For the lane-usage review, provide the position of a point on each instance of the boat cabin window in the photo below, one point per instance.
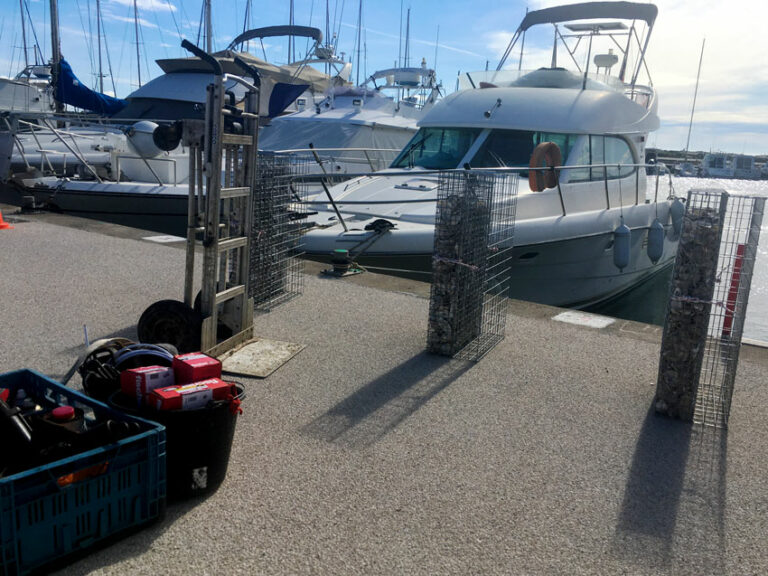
(594, 150)
(513, 148)
(437, 148)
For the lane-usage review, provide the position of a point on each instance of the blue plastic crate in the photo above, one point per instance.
(45, 516)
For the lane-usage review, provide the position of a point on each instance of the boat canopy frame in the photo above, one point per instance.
(590, 11)
(271, 31)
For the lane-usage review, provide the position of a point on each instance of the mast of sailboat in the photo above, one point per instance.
(693, 107)
(98, 37)
(208, 27)
(136, 29)
(55, 48)
(359, 35)
(406, 61)
(23, 33)
(291, 45)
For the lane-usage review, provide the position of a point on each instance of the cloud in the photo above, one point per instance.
(130, 19)
(148, 5)
(441, 46)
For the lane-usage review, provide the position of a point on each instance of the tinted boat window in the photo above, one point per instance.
(437, 148)
(513, 148)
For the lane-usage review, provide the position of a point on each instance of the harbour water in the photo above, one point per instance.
(647, 302)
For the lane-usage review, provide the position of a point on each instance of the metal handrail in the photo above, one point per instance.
(146, 161)
(514, 170)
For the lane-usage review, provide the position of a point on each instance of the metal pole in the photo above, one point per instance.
(693, 107)
(23, 32)
(55, 47)
(208, 28)
(359, 30)
(136, 28)
(98, 37)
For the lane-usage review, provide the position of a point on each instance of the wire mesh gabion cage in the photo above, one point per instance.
(707, 307)
(276, 269)
(474, 227)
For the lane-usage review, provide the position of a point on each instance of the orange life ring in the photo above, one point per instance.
(545, 154)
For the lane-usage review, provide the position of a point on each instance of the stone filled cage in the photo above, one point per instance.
(276, 268)
(707, 306)
(474, 228)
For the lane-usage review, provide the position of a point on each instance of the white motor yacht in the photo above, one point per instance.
(744, 167)
(716, 165)
(565, 249)
(357, 128)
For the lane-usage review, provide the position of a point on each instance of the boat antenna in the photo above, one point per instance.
(693, 106)
(437, 43)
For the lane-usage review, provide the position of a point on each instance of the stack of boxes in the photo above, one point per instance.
(191, 382)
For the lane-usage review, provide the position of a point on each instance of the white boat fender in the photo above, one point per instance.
(140, 137)
(676, 211)
(621, 240)
(655, 241)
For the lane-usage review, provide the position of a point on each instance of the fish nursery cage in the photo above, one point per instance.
(707, 306)
(276, 269)
(474, 227)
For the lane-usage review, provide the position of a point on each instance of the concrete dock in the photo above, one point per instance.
(365, 455)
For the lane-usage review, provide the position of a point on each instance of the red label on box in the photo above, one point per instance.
(191, 396)
(141, 381)
(194, 367)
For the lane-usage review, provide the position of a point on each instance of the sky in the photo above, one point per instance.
(731, 108)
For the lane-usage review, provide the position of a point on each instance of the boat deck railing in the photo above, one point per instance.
(311, 200)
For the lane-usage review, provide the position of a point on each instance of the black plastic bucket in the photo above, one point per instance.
(198, 442)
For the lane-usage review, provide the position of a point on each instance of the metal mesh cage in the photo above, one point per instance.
(736, 261)
(707, 306)
(474, 226)
(276, 269)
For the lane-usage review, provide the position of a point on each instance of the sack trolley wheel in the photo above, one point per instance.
(172, 322)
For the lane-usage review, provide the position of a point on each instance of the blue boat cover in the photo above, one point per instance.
(69, 90)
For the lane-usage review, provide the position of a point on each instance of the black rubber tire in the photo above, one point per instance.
(171, 322)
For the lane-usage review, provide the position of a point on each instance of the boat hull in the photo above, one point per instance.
(558, 262)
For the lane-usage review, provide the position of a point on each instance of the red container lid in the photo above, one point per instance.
(63, 413)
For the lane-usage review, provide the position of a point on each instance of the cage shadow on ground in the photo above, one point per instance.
(378, 407)
(674, 500)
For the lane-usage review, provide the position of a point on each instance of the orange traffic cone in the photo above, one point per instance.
(3, 224)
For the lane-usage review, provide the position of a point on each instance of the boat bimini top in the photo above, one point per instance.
(572, 17)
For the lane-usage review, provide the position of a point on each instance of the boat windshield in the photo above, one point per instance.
(437, 148)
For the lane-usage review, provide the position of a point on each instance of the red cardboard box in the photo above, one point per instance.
(139, 382)
(194, 367)
(191, 396)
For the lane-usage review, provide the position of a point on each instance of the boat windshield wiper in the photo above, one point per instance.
(412, 147)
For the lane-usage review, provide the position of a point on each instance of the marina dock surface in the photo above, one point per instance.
(365, 455)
